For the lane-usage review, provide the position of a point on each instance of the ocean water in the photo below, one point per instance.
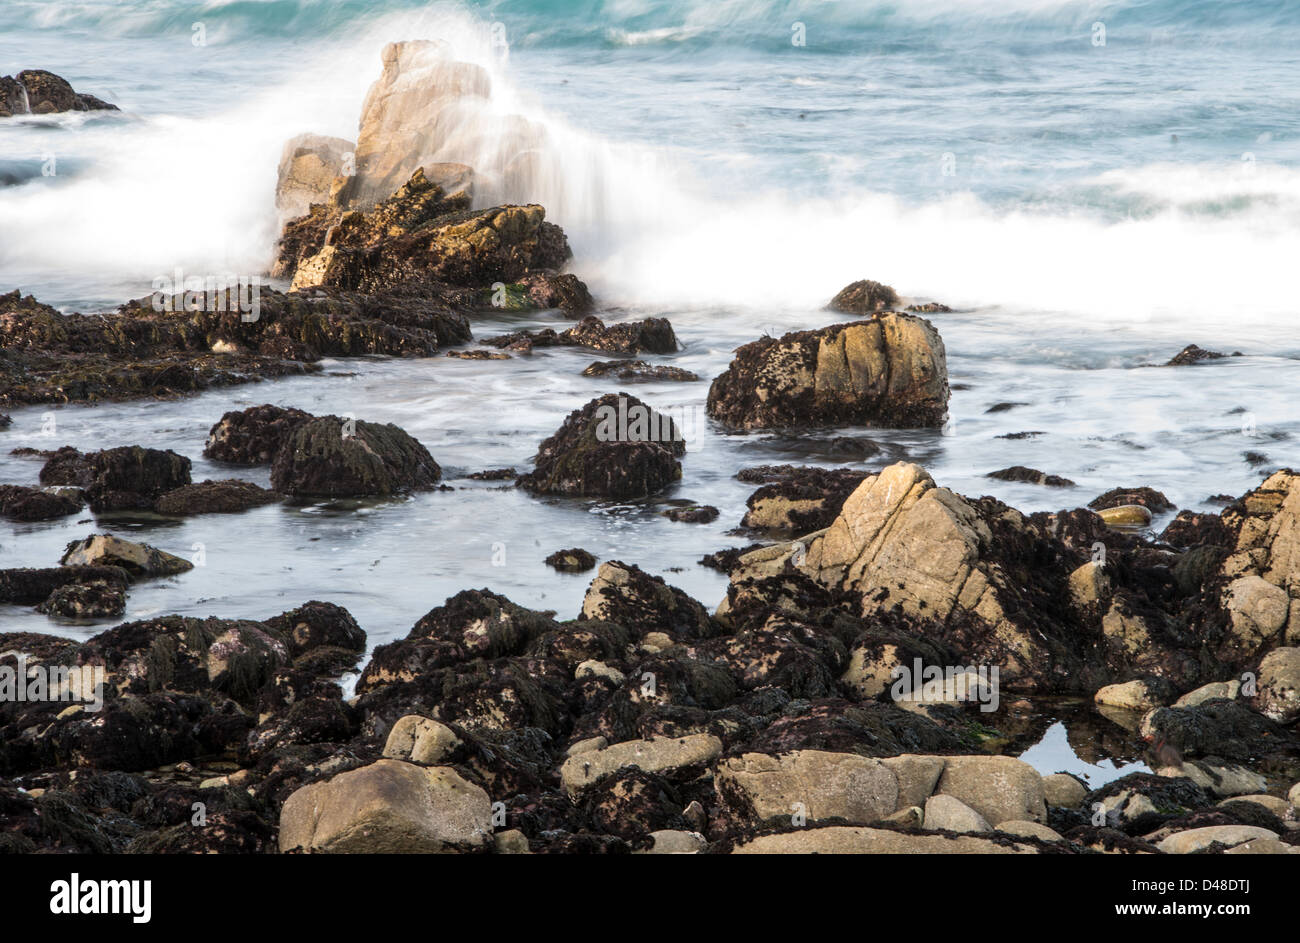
(1090, 186)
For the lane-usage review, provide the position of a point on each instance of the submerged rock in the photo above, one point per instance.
(1030, 476)
(576, 560)
(1192, 354)
(652, 335)
(331, 457)
(1148, 498)
(627, 370)
(615, 447)
(692, 514)
(215, 497)
(1125, 515)
(888, 371)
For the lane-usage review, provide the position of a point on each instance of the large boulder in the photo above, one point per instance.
(388, 807)
(1259, 585)
(812, 784)
(614, 447)
(330, 457)
(1278, 686)
(410, 113)
(890, 370)
(105, 550)
(976, 575)
(1000, 788)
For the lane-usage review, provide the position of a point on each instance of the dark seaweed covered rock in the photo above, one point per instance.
(37, 92)
(631, 370)
(890, 370)
(651, 335)
(33, 504)
(126, 478)
(315, 625)
(90, 600)
(159, 346)
(576, 560)
(331, 457)
(215, 497)
(232, 657)
(798, 499)
(1227, 729)
(422, 233)
(252, 436)
(864, 297)
(628, 596)
(614, 447)
(1190, 529)
(1030, 476)
(567, 292)
(692, 514)
(29, 586)
(1192, 354)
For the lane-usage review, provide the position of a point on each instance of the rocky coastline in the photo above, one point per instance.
(883, 647)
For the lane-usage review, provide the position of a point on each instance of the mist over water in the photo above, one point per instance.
(706, 160)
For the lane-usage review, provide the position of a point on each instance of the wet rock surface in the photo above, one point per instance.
(616, 446)
(645, 723)
(797, 500)
(652, 335)
(37, 92)
(890, 370)
(139, 350)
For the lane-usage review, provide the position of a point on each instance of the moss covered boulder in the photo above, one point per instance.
(331, 457)
(614, 447)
